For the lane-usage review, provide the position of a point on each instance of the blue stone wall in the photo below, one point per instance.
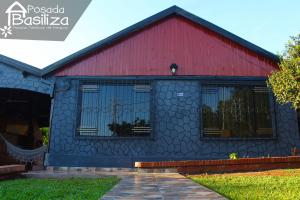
(13, 78)
(176, 132)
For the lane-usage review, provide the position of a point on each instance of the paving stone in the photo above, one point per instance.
(159, 186)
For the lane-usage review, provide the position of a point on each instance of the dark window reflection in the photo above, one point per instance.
(115, 109)
(298, 118)
(236, 112)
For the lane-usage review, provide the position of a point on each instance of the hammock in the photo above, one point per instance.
(24, 155)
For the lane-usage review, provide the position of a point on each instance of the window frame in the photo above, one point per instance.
(115, 81)
(298, 120)
(234, 83)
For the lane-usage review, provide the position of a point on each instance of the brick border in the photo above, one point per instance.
(242, 164)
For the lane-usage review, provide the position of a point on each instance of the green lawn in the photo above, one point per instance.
(44, 189)
(270, 185)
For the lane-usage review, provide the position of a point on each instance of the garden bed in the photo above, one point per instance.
(206, 166)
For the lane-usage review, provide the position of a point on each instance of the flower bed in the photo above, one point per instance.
(242, 164)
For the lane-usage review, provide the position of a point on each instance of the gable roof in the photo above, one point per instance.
(20, 65)
(172, 11)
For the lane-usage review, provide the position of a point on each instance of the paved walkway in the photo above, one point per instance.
(159, 186)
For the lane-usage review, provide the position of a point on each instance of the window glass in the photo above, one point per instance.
(119, 109)
(236, 112)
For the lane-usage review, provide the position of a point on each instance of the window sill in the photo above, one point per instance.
(237, 139)
(113, 138)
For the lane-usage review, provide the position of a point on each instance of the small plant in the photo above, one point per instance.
(45, 134)
(233, 156)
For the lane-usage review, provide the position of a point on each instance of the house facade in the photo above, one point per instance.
(171, 87)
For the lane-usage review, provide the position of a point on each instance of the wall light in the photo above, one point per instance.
(173, 68)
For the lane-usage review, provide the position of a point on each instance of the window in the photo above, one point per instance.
(236, 112)
(298, 119)
(117, 109)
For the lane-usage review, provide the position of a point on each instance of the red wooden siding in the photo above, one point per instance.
(196, 50)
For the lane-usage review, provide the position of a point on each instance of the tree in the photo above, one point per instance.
(285, 83)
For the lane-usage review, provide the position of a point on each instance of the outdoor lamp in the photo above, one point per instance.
(173, 68)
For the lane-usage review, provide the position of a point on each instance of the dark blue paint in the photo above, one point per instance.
(176, 132)
(23, 67)
(13, 77)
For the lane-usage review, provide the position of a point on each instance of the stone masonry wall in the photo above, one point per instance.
(13, 78)
(176, 132)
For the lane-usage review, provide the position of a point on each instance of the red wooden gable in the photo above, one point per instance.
(195, 49)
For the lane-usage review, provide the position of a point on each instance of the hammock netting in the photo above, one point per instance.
(24, 155)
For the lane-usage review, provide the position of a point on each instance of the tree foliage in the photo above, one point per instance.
(285, 83)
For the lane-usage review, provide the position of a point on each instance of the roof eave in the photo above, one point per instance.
(20, 65)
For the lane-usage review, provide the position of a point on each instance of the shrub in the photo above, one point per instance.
(45, 134)
(233, 156)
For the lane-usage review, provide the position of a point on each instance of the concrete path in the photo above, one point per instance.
(159, 186)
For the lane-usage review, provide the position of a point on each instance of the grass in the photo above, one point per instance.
(269, 185)
(45, 189)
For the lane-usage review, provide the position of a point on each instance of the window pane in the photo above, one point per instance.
(141, 124)
(298, 119)
(108, 106)
(262, 112)
(211, 110)
(235, 111)
(122, 113)
(89, 112)
(122, 109)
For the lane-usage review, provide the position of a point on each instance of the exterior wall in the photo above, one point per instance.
(195, 49)
(13, 78)
(176, 132)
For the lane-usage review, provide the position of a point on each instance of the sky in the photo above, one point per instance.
(266, 23)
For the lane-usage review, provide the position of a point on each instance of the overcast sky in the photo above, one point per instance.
(266, 23)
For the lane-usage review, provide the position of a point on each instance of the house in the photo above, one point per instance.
(25, 101)
(171, 87)
(15, 8)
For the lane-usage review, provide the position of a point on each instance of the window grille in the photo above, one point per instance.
(236, 111)
(115, 109)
